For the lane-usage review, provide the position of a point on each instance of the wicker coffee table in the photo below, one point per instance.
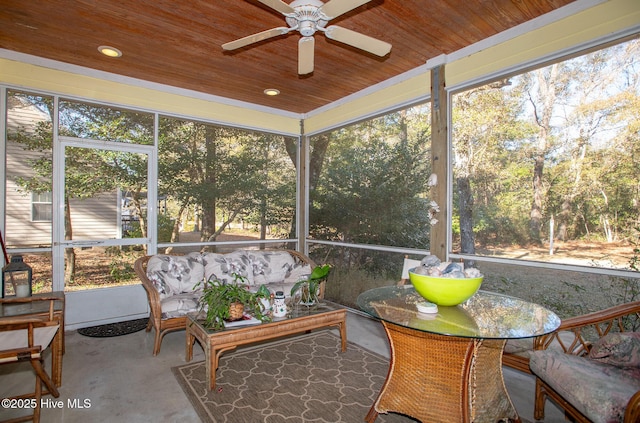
(299, 319)
(447, 367)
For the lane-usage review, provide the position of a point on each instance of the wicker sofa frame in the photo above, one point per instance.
(164, 326)
(585, 330)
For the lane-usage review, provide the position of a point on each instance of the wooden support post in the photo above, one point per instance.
(439, 160)
(303, 200)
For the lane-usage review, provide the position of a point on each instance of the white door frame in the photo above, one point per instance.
(109, 304)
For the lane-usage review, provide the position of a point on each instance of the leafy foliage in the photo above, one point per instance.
(556, 147)
(373, 185)
(226, 174)
(310, 287)
(217, 298)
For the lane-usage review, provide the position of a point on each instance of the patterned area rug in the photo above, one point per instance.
(297, 380)
(114, 329)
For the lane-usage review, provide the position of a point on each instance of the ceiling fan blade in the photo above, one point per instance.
(305, 55)
(250, 39)
(358, 40)
(278, 5)
(335, 8)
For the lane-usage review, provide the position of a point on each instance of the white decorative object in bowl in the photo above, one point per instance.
(445, 284)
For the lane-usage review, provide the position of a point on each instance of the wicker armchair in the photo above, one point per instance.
(164, 324)
(566, 351)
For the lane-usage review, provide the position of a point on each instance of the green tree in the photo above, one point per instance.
(227, 174)
(372, 187)
(485, 125)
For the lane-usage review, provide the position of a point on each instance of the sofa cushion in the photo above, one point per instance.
(617, 349)
(223, 266)
(299, 271)
(271, 266)
(180, 304)
(600, 391)
(173, 275)
(523, 347)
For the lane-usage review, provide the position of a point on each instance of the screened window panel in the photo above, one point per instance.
(99, 122)
(545, 162)
(221, 184)
(28, 169)
(368, 181)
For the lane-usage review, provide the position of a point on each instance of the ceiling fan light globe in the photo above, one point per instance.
(307, 28)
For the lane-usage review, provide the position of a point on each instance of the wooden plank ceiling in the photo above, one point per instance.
(178, 43)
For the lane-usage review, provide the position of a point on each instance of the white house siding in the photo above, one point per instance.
(20, 230)
(95, 218)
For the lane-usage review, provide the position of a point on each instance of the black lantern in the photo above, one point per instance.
(17, 278)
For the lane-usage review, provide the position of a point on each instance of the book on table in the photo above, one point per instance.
(246, 320)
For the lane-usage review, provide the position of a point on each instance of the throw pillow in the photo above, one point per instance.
(271, 266)
(223, 266)
(173, 275)
(617, 349)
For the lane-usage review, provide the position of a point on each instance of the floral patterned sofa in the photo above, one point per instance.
(169, 280)
(595, 375)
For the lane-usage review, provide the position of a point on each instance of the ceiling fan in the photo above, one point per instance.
(307, 17)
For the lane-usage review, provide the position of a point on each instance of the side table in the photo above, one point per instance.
(13, 306)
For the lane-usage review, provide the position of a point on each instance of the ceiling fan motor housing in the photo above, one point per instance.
(307, 18)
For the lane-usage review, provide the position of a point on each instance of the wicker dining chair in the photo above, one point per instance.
(586, 331)
(407, 265)
(25, 338)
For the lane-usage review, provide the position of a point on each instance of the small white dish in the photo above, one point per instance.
(427, 308)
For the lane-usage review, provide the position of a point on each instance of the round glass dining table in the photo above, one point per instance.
(447, 366)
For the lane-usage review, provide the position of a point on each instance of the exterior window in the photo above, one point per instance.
(41, 207)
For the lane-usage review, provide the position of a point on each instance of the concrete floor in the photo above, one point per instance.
(119, 380)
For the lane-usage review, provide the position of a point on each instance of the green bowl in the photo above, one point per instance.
(445, 291)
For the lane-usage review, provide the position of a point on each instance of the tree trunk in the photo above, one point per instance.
(566, 213)
(69, 253)
(535, 223)
(137, 204)
(263, 221)
(208, 230)
(175, 232)
(543, 109)
(467, 240)
(263, 199)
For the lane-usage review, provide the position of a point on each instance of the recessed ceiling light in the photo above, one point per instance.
(271, 91)
(110, 51)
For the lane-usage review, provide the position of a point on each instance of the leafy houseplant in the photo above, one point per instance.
(219, 300)
(309, 287)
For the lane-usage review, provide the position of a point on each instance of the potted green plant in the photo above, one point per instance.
(222, 302)
(264, 296)
(310, 286)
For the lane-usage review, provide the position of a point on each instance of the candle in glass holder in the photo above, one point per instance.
(22, 290)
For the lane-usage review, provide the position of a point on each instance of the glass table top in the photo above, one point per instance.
(486, 315)
(10, 309)
(293, 311)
